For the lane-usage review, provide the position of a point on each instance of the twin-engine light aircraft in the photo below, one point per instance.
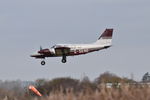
(64, 50)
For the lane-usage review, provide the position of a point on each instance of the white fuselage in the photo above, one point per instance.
(64, 50)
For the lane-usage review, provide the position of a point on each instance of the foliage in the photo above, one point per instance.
(45, 87)
(146, 77)
(73, 89)
(108, 77)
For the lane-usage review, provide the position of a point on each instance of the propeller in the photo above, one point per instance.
(41, 48)
(43, 51)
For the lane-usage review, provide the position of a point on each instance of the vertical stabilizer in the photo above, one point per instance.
(106, 38)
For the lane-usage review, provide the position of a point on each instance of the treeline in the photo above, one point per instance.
(69, 84)
(18, 90)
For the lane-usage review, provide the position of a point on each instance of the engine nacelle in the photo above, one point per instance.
(44, 51)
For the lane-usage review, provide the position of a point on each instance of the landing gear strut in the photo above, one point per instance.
(64, 59)
(43, 62)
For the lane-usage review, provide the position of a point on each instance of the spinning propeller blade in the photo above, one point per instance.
(41, 48)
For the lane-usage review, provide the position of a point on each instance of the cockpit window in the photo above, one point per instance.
(53, 46)
(56, 46)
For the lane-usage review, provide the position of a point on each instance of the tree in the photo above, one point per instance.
(107, 77)
(57, 84)
(146, 77)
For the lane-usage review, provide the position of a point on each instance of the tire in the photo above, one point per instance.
(63, 60)
(43, 63)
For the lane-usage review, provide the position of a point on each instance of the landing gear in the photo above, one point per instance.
(64, 59)
(43, 62)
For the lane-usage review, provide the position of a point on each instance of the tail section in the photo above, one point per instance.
(106, 38)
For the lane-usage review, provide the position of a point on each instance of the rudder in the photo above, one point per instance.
(107, 34)
(106, 38)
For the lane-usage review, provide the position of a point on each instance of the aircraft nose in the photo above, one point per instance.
(44, 51)
(34, 54)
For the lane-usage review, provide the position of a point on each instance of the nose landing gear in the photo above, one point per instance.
(63, 61)
(43, 62)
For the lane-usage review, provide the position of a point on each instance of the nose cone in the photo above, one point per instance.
(35, 54)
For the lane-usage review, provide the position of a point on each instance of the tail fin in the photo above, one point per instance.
(106, 38)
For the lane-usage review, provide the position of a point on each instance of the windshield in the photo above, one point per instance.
(54, 46)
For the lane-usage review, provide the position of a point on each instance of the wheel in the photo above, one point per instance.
(63, 61)
(43, 63)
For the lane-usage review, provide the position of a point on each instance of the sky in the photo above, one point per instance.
(25, 25)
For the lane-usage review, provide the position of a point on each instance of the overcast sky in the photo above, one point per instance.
(25, 25)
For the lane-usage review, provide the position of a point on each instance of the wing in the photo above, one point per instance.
(38, 56)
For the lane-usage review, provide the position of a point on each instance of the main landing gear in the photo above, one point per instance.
(64, 59)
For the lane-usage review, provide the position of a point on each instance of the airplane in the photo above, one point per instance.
(64, 50)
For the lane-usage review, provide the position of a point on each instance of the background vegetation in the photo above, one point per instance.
(73, 89)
